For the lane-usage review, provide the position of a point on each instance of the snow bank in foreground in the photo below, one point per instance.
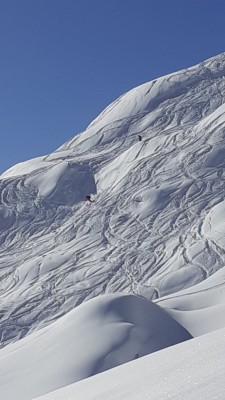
(102, 333)
(193, 370)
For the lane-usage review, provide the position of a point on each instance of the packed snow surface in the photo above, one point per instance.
(155, 229)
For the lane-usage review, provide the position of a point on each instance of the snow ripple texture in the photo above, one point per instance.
(156, 224)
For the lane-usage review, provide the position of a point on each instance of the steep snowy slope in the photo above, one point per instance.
(154, 226)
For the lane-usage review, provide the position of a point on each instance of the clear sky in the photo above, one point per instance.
(63, 61)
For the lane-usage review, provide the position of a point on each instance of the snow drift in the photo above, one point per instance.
(191, 370)
(100, 334)
(201, 308)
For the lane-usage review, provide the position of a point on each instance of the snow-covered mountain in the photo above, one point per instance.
(154, 165)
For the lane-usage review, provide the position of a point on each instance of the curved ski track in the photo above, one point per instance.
(142, 233)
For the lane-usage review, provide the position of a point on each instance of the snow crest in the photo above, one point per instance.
(100, 334)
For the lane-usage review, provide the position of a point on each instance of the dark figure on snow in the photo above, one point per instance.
(139, 138)
(88, 198)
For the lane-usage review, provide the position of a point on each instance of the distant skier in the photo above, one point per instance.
(88, 198)
(139, 138)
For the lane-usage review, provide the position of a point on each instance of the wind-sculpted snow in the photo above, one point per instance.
(189, 371)
(152, 228)
(99, 334)
(201, 308)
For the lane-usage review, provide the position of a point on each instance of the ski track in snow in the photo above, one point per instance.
(152, 228)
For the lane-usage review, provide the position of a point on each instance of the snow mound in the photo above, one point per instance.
(64, 183)
(100, 334)
(191, 370)
(201, 308)
(24, 168)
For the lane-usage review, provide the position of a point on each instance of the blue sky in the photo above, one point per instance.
(63, 61)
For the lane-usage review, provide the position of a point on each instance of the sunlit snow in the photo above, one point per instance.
(100, 334)
(153, 166)
(189, 371)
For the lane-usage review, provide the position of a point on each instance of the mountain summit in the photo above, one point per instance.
(153, 164)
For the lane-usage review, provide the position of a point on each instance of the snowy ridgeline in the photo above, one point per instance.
(155, 229)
